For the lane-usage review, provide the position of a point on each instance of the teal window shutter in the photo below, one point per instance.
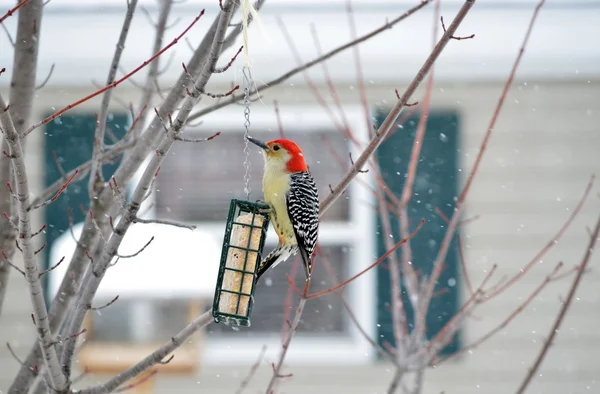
(69, 139)
(436, 185)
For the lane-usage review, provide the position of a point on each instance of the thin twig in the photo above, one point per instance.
(284, 348)
(331, 273)
(445, 245)
(153, 69)
(563, 311)
(56, 195)
(278, 117)
(109, 303)
(53, 267)
(115, 83)
(13, 10)
(45, 81)
(138, 252)
(297, 70)
(138, 382)
(12, 352)
(376, 263)
(407, 191)
(252, 372)
(166, 222)
(9, 37)
(390, 119)
(551, 243)
(81, 171)
(197, 140)
(155, 358)
(96, 179)
(7, 261)
(549, 278)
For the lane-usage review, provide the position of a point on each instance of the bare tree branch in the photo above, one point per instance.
(89, 237)
(96, 180)
(8, 35)
(94, 276)
(154, 132)
(153, 70)
(236, 98)
(45, 81)
(45, 337)
(411, 279)
(112, 85)
(388, 122)
(59, 307)
(155, 358)
(563, 310)
(81, 171)
(166, 222)
(445, 245)
(275, 378)
(109, 303)
(22, 94)
(252, 371)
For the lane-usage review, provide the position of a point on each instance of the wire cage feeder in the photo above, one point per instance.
(244, 239)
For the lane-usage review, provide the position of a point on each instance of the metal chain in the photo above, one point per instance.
(247, 79)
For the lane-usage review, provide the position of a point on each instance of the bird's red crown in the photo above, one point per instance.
(296, 163)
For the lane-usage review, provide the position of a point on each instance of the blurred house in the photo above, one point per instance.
(545, 147)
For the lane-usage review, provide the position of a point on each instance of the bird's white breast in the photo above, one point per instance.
(276, 184)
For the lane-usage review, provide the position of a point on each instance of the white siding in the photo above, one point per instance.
(544, 149)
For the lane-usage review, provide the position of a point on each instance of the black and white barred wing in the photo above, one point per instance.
(303, 210)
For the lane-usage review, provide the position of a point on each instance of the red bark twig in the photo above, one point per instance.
(332, 276)
(376, 263)
(287, 305)
(461, 253)
(137, 382)
(13, 10)
(115, 83)
(57, 194)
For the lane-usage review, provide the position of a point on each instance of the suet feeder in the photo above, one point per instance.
(245, 234)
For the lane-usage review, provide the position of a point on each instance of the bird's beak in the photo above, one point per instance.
(259, 143)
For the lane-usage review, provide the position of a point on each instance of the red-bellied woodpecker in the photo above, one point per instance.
(291, 194)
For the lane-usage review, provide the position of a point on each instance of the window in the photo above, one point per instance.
(436, 185)
(196, 183)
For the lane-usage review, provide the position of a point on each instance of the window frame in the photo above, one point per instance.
(356, 233)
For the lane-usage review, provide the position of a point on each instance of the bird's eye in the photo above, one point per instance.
(276, 147)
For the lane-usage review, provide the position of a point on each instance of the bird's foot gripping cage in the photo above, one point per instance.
(245, 234)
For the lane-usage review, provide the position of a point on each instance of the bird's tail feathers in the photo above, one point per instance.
(278, 255)
(306, 262)
(268, 262)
